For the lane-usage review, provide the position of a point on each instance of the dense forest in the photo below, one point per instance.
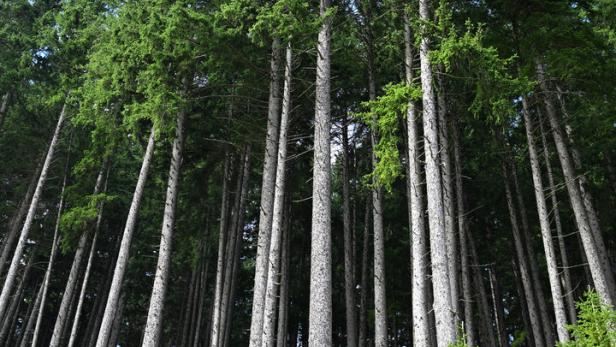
(308, 173)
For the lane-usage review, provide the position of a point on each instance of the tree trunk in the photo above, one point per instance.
(64, 310)
(283, 306)
(8, 319)
(486, 333)
(15, 222)
(363, 290)
(117, 320)
(530, 338)
(190, 306)
(273, 272)
(267, 198)
(448, 196)
(498, 308)
(469, 327)
(4, 105)
(421, 328)
(26, 332)
(349, 259)
(320, 311)
(25, 231)
(527, 238)
(202, 286)
(123, 254)
(566, 274)
(443, 313)
(594, 247)
(559, 309)
(153, 327)
(222, 240)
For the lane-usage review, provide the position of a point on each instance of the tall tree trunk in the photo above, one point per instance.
(320, 310)
(25, 231)
(545, 318)
(222, 240)
(566, 274)
(467, 296)
(522, 259)
(64, 310)
(86, 276)
(530, 339)
(486, 332)
(15, 222)
(200, 315)
(117, 320)
(27, 331)
(363, 289)
(548, 244)
(273, 272)
(153, 328)
(4, 105)
(190, 306)
(8, 318)
(283, 306)
(443, 313)
(123, 254)
(448, 195)
(267, 198)
(498, 308)
(421, 328)
(349, 256)
(52, 257)
(594, 247)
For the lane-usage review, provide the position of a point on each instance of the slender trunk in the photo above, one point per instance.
(8, 319)
(201, 303)
(273, 272)
(153, 327)
(532, 261)
(189, 306)
(522, 300)
(421, 330)
(15, 222)
(443, 313)
(485, 328)
(283, 306)
(566, 274)
(123, 254)
(25, 231)
(267, 198)
(349, 260)
(467, 296)
(86, 276)
(117, 320)
(25, 338)
(559, 309)
(4, 107)
(448, 195)
(594, 247)
(498, 308)
(64, 310)
(363, 289)
(320, 312)
(222, 240)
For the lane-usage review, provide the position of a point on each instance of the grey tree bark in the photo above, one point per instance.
(64, 310)
(155, 313)
(557, 297)
(123, 254)
(273, 272)
(117, 320)
(15, 222)
(320, 310)
(443, 312)
(267, 198)
(419, 254)
(27, 331)
(4, 105)
(25, 231)
(467, 296)
(222, 240)
(594, 247)
(363, 290)
(349, 259)
(497, 307)
(283, 305)
(564, 259)
(486, 333)
(8, 318)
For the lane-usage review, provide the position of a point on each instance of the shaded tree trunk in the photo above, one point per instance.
(25, 231)
(363, 290)
(4, 105)
(497, 308)
(123, 254)
(9, 318)
(267, 198)
(283, 306)
(320, 308)
(559, 309)
(486, 332)
(27, 331)
(444, 318)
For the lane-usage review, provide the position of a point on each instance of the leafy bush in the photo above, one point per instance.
(596, 325)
